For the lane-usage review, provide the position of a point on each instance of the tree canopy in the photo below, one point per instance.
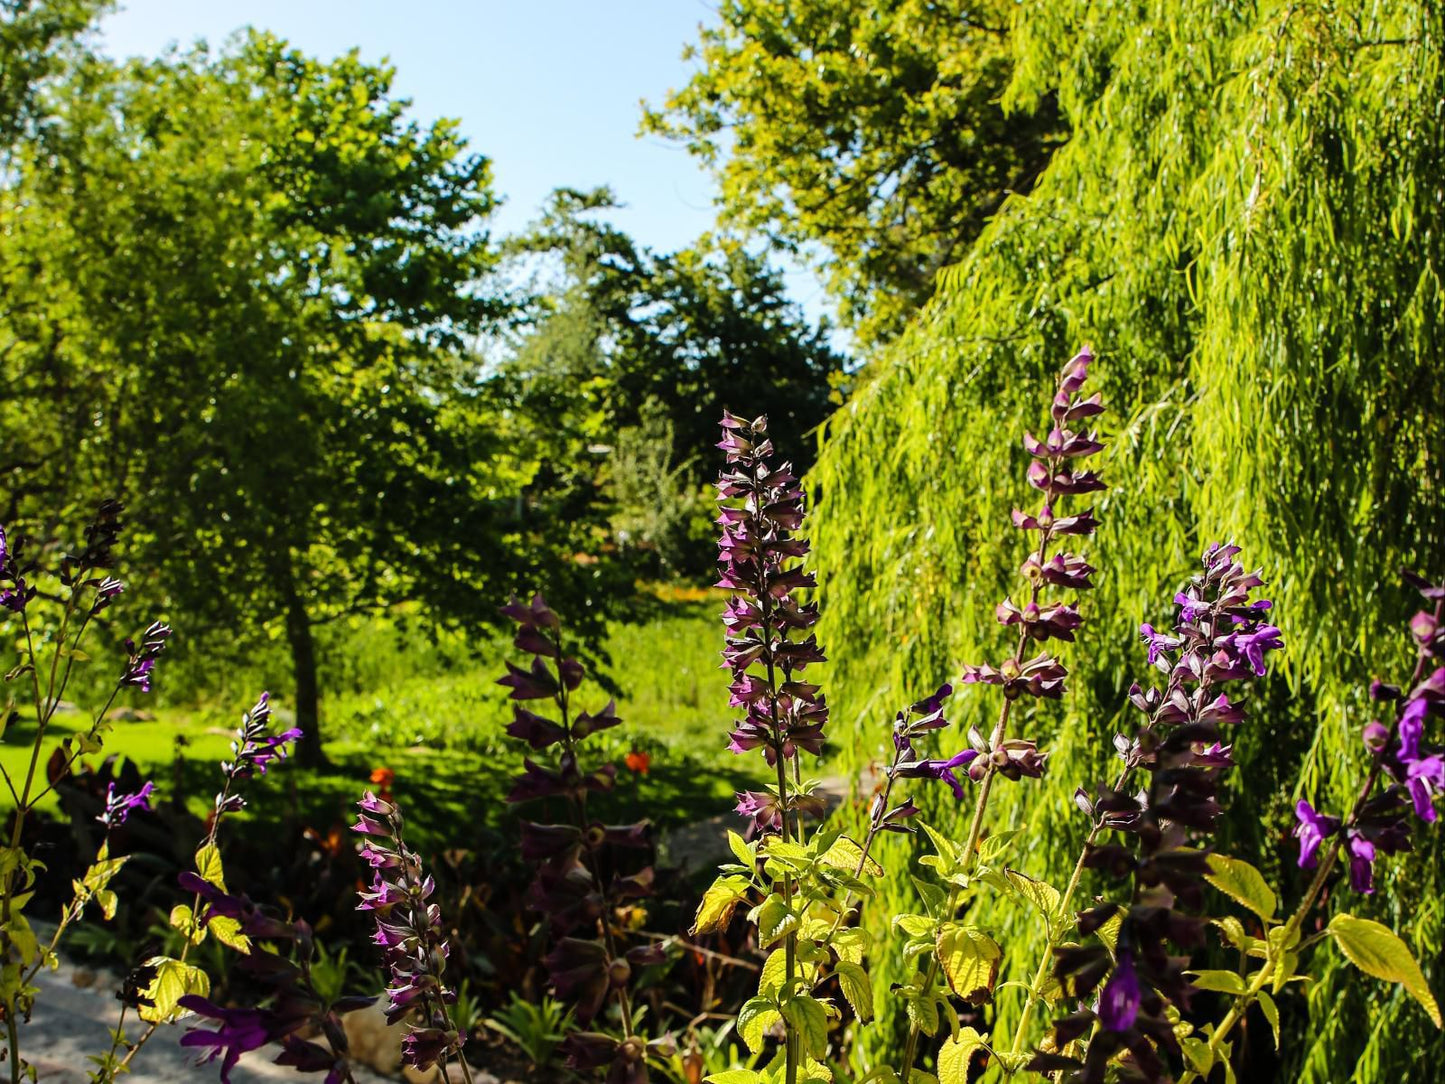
(870, 135)
(251, 279)
(1247, 224)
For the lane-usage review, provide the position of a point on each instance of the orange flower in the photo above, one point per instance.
(638, 762)
(383, 777)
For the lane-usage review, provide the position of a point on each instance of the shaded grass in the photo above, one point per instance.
(437, 718)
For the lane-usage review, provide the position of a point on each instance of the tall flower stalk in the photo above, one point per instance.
(1055, 472)
(761, 558)
(1221, 635)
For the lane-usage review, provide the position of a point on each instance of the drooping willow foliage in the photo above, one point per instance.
(1248, 224)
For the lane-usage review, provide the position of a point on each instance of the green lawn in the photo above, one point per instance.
(439, 722)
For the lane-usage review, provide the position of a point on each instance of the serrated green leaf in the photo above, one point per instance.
(745, 852)
(1271, 1013)
(1199, 1056)
(735, 1076)
(914, 925)
(970, 960)
(754, 1019)
(856, 987)
(718, 903)
(1043, 896)
(1221, 982)
(775, 920)
(775, 972)
(808, 1019)
(955, 1054)
(1377, 950)
(947, 850)
(173, 980)
(850, 944)
(1242, 883)
(227, 930)
(846, 853)
(922, 1013)
(934, 898)
(1108, 931)
(208, 866)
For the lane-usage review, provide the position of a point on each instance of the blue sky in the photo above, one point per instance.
(548, 89)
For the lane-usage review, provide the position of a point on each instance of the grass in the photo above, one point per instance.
(435, 715)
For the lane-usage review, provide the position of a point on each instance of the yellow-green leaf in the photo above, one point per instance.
(208, 865)
(856, 988)
(850, 944)
(845, 854)
(718, 903)
(1377, 950)
(227, 930)
(809, 1020)
(955, 1055)
(775, 920)
(173, 981)
(1271, 1013)
(754, 1019)
(969, 958)
(744, 852)
(1221, 982)
(1040, 894)
(1242, 883)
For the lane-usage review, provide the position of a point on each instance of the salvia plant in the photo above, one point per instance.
(1118, 969)
(579, 885)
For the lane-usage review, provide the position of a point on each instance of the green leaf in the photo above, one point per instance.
(227, 930)
(735, 1076)
(185, 922)
(1198, 1054)
(850, 944)
(947, 850)
(922, 1012)
(1242, 883)
(754, 1019)
(173, 981)
(106, 900)
(846, 853)
(1042, 895)
(934, 897)
(970, 959)
(775, 972)
(954, 1056)
(857, 988)
(775, 920)
(1271, 1013)
(1377, 950)
(808, 1019)
(718, 903)
(1221, 982)
(1109, 931)
(208, 865)
(914, 925)
(745, 852)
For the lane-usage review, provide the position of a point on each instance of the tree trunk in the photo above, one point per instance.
(303, 662)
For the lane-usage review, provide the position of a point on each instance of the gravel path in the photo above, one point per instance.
(73, 1016)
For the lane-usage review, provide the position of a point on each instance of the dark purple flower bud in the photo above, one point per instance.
(1312, 830)
(238, 1031)
(538, 683)
(106, 592)
(537, 731)
(1362, 859)
(1375, 736)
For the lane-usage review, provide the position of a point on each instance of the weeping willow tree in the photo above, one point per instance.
(1248, 224)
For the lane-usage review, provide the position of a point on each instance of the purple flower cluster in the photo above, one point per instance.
(1055, 472)
(141, 659)
(254, 748)
(573, 887)
(293, 1008)
(15, 592)
(409, 931)
(1415, 768)
(761, 559)
(1221, 635)
(120, 806)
